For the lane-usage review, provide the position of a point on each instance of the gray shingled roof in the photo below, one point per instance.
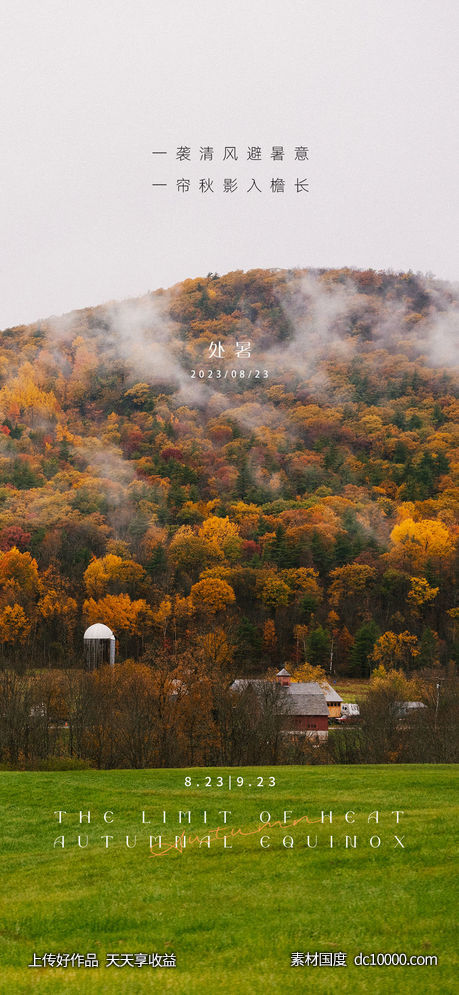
(242, 682)
(307, 704)
(305, 687)
(331, 695)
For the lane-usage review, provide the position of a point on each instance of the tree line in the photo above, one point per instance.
(176, 713)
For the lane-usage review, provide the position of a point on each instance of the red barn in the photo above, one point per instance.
(306, 709)
(307, 706)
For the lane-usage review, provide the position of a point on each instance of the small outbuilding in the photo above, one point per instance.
(283, 677)
(333, 699)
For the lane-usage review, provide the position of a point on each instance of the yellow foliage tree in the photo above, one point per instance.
(275, 593)
(19, 575)
(222, 537)
(415, 544)
(269, 636)
(60, 610)
(421, 593)
(350, 582)
(163, 615)
(247, 517)
(214, 649)
(21, 398)
(112, 571)
(212, 595)
(407, 688)
(14, 625)
(306, 672)
(121, 614)
(188, 551)
(394, 650)
(303, 580)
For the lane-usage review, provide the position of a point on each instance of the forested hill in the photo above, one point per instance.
(296, 497)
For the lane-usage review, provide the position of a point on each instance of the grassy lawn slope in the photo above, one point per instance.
(231, 916)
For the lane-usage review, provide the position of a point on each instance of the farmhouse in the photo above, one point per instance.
(306, 711)
(307, 706)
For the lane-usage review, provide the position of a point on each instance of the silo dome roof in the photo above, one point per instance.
(98, 631)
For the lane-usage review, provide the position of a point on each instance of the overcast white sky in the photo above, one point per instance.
(90, 87)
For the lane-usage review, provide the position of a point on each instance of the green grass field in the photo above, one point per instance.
(232, 917)
(352, 689)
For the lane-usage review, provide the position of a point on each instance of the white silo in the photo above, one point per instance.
(99, 644)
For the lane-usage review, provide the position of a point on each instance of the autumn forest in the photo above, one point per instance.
(253, 471)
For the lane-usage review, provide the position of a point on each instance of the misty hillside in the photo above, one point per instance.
(301, 499)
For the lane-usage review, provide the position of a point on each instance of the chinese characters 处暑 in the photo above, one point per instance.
(223, 351)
